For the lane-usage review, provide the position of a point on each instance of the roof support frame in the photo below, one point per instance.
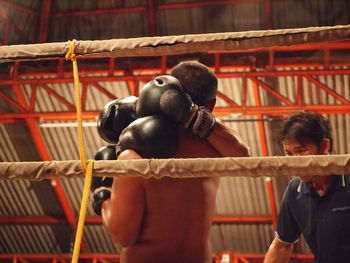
(23, 110)
(93, 258)
(38, 140)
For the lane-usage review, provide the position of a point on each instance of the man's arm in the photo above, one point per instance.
(278, 252)
(227, 142)
(122, 215)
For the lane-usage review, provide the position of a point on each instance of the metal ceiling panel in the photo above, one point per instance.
(241, 238)
(329, 13)
(7, 149)
(23, 239)
(14, 199)
(99, 241)
(242, 196)
(209, 19)
(96, 27)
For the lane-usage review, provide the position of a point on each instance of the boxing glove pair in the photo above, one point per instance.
(165, 96)
(154, 136)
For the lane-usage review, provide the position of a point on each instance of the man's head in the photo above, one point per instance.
(198, 81)
(306, 133)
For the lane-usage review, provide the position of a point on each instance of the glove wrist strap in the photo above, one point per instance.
(193, 114)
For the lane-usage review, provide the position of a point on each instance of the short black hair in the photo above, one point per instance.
(306, 126)
(197, 80)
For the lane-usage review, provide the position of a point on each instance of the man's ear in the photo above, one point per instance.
(325, 146)
(210, 104)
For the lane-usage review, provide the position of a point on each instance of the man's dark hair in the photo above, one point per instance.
(307, 126)
(197, 80)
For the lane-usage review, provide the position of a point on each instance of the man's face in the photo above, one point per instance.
(297, 148)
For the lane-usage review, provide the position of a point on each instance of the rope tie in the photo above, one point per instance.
(86, 168)
(72, 56)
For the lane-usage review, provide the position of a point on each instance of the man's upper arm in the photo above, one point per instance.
(287, 226)
(227, 142)
(123, 213)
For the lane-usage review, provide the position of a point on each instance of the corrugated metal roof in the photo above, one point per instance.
(241, 238)
(237, 196)
(25, 239)
(99, 241)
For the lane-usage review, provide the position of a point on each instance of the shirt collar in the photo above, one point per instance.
(305, 187)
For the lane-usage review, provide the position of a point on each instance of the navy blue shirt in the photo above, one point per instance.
(324, 221)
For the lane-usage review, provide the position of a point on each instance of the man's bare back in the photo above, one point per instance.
(177, 216)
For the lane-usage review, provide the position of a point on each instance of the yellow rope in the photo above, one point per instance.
(71, 55)
(87, 170)
(82, 213)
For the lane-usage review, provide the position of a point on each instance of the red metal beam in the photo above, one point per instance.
(271, 91)
(268, 14)
(54, 94)
(151, 18)
(327, 90)
(219, 219)
(19, 7)
(300, 47)
(131, 79)
(31, 220)
(204, 3)
(103, 90)
(218, 111)
(245, 257)
(115, 258)
(142, 8)
(250, 74)
(35, 132)
(44, 20)
(6, 26)
(265, 152)
(101, 11)
(12, 102)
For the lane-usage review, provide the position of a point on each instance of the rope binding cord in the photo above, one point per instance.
(72, 56)
(87, 169)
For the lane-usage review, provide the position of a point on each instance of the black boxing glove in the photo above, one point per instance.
(100, 186)
(152, 137)
(115, 116)
(165, 96)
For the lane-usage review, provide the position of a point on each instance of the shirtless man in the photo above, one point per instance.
(169, 220)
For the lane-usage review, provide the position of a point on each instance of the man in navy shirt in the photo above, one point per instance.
(318, 207)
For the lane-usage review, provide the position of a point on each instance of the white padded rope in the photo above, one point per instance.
(181, 168)
(182, 44)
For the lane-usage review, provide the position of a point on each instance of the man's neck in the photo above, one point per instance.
(320, 184)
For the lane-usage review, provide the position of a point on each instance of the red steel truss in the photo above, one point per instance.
(228, 256)
(109, 70)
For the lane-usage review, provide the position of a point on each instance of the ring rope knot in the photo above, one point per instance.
(71, 51)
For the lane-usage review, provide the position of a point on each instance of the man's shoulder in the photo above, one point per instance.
(294, 182)
(128, 154)
(293, 185)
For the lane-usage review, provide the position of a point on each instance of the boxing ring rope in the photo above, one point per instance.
(158, 168)
(172, 45)
(275, 166)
